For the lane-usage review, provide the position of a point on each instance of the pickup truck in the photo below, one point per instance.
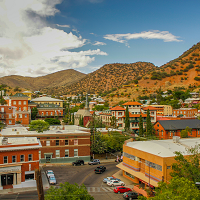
(100, 169)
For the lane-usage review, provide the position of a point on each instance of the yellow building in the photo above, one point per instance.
(164, 110)
(146, 163)
(27, 93)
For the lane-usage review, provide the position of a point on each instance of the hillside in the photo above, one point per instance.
(108, 78)
(65, 77)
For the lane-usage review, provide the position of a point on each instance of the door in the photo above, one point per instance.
(6, 179)
(48, 158)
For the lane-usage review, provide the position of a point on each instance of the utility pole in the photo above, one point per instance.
(39, 184)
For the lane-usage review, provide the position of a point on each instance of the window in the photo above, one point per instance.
(30, 157)
(10, 115)
(10, 121)
(48, 143)
(21, 158)
(2, 109)
(19, 108)
(57, 142)
(57, 153)
(5, 159)
(24, 108)
(13, 159)
(20, 115)
(51, 113)
(119, 113)
(75, 152)
(14, 102)
(24, 102)
(66, 152)
(47, 113)
(39, 155)
(19, 102)
(75, 141)
(66, 142)
(29, 176)
(25, 115)
(120, 125)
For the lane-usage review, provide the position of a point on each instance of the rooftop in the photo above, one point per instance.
(45, 98)
(131, 103)
(164, 148)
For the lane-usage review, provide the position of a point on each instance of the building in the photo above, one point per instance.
(28, 93)
(48, 107)
(185, 112)
(7, 114)
(19, 157)
(152, 112)
(106, 117)
(166, 129)
(60, 144)
(118, 112)
(133, 107)
(163, 110)
(22, 113)
(146, 163)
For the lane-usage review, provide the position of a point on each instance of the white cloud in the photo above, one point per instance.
(30, 47)
(99, 43)
(64, 26)
(155, 34)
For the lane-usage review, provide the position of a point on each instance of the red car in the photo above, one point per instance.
(121, 189)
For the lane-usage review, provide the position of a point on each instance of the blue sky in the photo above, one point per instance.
(39, 37)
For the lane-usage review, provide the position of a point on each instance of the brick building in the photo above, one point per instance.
(185, 112)
(61, 144)
(7, 114)
(166, 129)
(22, 113)
(19, 157)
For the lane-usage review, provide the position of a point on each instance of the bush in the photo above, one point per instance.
(197, 78)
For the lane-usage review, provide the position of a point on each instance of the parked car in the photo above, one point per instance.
(131, 195)
(52, 180)
(100, 169)
(115, 183)
(49, 173)
(78, 162)
(110, 178)
(94, 162)
(121, 189)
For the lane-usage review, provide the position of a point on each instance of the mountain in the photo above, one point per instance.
(57, 79)
(108, 78)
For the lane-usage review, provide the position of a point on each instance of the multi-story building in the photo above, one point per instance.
(148, 162)
(185, 112)
(133, 107)
(19, 157)
(166, 129)
(22, 113)
(153, 112)
(118, 112)
(7, 114)
(61, 144)
(48, 107)
(163, 110)
(106, 117)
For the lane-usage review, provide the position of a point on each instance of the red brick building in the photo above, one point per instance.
(22, 113)
(185, 112)
(166, 129)
(7, 114)
(19, 157)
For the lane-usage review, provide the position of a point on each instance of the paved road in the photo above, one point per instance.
(81, 175)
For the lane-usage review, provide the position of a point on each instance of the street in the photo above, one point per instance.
(80, 175)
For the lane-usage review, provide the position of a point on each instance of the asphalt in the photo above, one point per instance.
(45, 180)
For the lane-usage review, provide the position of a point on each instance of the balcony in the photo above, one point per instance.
(134, 121)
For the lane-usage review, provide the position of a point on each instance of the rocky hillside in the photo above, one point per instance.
(108, 78)
(57, 79)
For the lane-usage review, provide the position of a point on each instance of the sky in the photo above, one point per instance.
(40, 37)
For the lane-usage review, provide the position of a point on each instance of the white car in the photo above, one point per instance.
(49, 173)
(105, 180)
(52, 180)
(115, 183)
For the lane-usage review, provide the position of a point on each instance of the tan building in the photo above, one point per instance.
(163, 110)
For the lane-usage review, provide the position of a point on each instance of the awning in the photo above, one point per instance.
(48, 153)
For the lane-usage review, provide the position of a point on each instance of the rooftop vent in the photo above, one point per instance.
(5, 141)
(176, 139)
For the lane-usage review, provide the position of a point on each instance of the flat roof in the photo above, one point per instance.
(164, 148)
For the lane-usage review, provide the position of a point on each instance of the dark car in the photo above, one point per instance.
(100, 169)
(131, 195)
(78, 162)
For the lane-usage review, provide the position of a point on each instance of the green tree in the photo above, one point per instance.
(177, 189)
(141, 131)
(68, 191)
(113, 122)
(184, 133)
(98, 144)
(73, 118)
(149, 125)
(52, 121)
(127, 120)
(187, 167)
(34, 112)
(39, 126)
